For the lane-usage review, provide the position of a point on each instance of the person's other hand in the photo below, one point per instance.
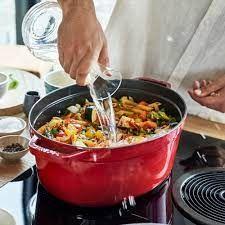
(81, 42)
(210, 93)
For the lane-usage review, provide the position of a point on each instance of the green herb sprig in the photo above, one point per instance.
(13, 84)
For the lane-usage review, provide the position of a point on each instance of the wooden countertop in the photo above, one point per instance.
(19, 57)
(204, 127)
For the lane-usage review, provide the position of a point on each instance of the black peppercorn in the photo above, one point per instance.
(13, 148)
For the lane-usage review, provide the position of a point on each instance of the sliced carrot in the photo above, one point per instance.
(143, 116)
(143, 103)
(147, 124)
(89, 143)
(142, 113)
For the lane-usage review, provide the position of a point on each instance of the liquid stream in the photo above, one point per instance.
(106, 115)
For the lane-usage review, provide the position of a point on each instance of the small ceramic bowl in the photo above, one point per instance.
(56, 80)
(13, 139)
(6, 218)
(22, 125)
(3, 84)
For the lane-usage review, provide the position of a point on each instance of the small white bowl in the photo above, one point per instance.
(13, 139)
(6, 218)
(57, 79)
(13, 131)
(3, 84)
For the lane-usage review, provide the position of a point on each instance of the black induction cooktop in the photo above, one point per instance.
(31, 204)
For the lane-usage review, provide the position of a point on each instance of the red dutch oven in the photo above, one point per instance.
(104, 176)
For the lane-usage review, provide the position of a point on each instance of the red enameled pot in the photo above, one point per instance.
(103, 177)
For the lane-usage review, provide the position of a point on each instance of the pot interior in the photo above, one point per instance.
(56, 102)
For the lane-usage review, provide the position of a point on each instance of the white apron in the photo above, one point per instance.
(176, 40)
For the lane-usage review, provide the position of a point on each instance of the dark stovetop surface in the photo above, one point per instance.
(157, 206)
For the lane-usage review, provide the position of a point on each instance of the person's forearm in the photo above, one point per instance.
(68, 4)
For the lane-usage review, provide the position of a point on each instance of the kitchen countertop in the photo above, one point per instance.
(204, 127)
(24, 60)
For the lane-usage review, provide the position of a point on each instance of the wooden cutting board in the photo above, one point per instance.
(12, 102)
(11, 170)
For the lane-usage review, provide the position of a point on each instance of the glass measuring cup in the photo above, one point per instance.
(39, 30)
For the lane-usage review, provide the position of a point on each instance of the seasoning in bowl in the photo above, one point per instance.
(13, 148)
(11, 125)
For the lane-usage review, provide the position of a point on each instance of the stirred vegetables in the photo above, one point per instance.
(135, 122)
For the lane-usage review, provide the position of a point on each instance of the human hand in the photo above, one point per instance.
(210, 93)
(81, 40)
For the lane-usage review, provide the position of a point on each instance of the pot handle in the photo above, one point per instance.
(43, 152)
(160, 82)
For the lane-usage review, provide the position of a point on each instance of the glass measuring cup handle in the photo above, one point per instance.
(104, 81)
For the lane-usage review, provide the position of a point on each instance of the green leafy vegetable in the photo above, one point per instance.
(163, 115)
(13, 83)
(48, 134)
(54, 131)
(173, 120)
(154, 116)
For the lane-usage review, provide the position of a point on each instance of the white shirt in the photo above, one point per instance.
(177, 40)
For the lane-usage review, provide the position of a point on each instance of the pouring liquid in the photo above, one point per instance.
(39, 31)
(106, 115)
